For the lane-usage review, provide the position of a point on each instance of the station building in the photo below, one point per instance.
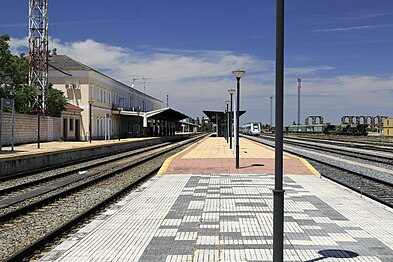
(116, 109)
(388, 127)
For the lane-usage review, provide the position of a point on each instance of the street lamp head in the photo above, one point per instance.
(91, 101)
(231, 91)
(227, 102)
(238, 73)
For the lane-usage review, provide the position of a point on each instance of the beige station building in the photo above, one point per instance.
(388, 127)
(116, 109)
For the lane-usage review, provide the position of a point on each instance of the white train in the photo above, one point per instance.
(253, 129)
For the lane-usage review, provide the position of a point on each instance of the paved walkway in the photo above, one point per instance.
(213, 156)
(228, 217)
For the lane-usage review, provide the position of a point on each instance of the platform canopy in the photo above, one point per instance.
(166, 114)
(212, 114)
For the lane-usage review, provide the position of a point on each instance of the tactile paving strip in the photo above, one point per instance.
(222, 217)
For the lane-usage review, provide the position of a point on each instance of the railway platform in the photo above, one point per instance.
(28, 157)
(200, 208)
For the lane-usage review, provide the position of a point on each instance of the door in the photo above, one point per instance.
(77, 130)
(65, 128)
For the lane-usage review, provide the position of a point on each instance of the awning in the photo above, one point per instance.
(166, 114)
(212, 114)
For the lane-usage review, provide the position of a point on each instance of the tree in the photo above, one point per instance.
(55, 102)
(14, 72)
(5, 62)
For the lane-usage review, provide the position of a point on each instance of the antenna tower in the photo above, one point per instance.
(38, 49)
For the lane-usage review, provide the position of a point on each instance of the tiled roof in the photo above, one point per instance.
(72, 107)
(66, 63)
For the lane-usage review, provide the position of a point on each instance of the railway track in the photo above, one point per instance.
(373, 180)
(378, 154)
(383, 147)
(34, 217)
(349, 142)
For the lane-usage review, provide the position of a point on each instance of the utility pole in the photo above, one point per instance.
(38, 54)
(299, 82)
(167, 100)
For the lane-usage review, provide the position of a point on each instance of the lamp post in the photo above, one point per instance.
(271, 112)
(39, 104)
(119, 108)
(238, 74)
(90, 131)
(231, 92)
(278, 192)
(299, 83)
(227, 111)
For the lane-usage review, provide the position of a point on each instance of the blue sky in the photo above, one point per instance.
(342, 50)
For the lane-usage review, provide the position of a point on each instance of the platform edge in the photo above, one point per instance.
(169, 160)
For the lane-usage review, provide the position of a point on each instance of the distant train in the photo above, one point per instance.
(253, 129)
(328, 129)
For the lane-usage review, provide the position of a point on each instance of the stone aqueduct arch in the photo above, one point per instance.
(313, 120)
(373, 121)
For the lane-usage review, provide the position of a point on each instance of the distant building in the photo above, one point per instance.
(388, 127)
(82, 84)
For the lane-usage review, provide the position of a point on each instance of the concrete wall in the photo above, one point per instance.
(25, 128)
(10, 166)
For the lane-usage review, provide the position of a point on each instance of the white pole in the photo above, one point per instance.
(234, 127)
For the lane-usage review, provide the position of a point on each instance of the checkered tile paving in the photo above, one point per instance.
(226, 217)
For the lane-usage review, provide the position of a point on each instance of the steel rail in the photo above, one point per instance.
(354, 188)
(71, 172)
(32, 248)
(386, 159)
(49, 199)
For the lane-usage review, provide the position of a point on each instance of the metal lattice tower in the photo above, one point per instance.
(38, 48)
(299, 82)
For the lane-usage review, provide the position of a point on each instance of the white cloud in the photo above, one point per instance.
(307, 70)
(197, 80)
(351, 28)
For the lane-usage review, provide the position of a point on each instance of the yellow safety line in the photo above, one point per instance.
(169, 160)
(307, 164)
(304, 161)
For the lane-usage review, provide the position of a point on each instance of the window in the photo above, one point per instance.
(104, 96)
(71, 124)
(90, 92)
(98, 94)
